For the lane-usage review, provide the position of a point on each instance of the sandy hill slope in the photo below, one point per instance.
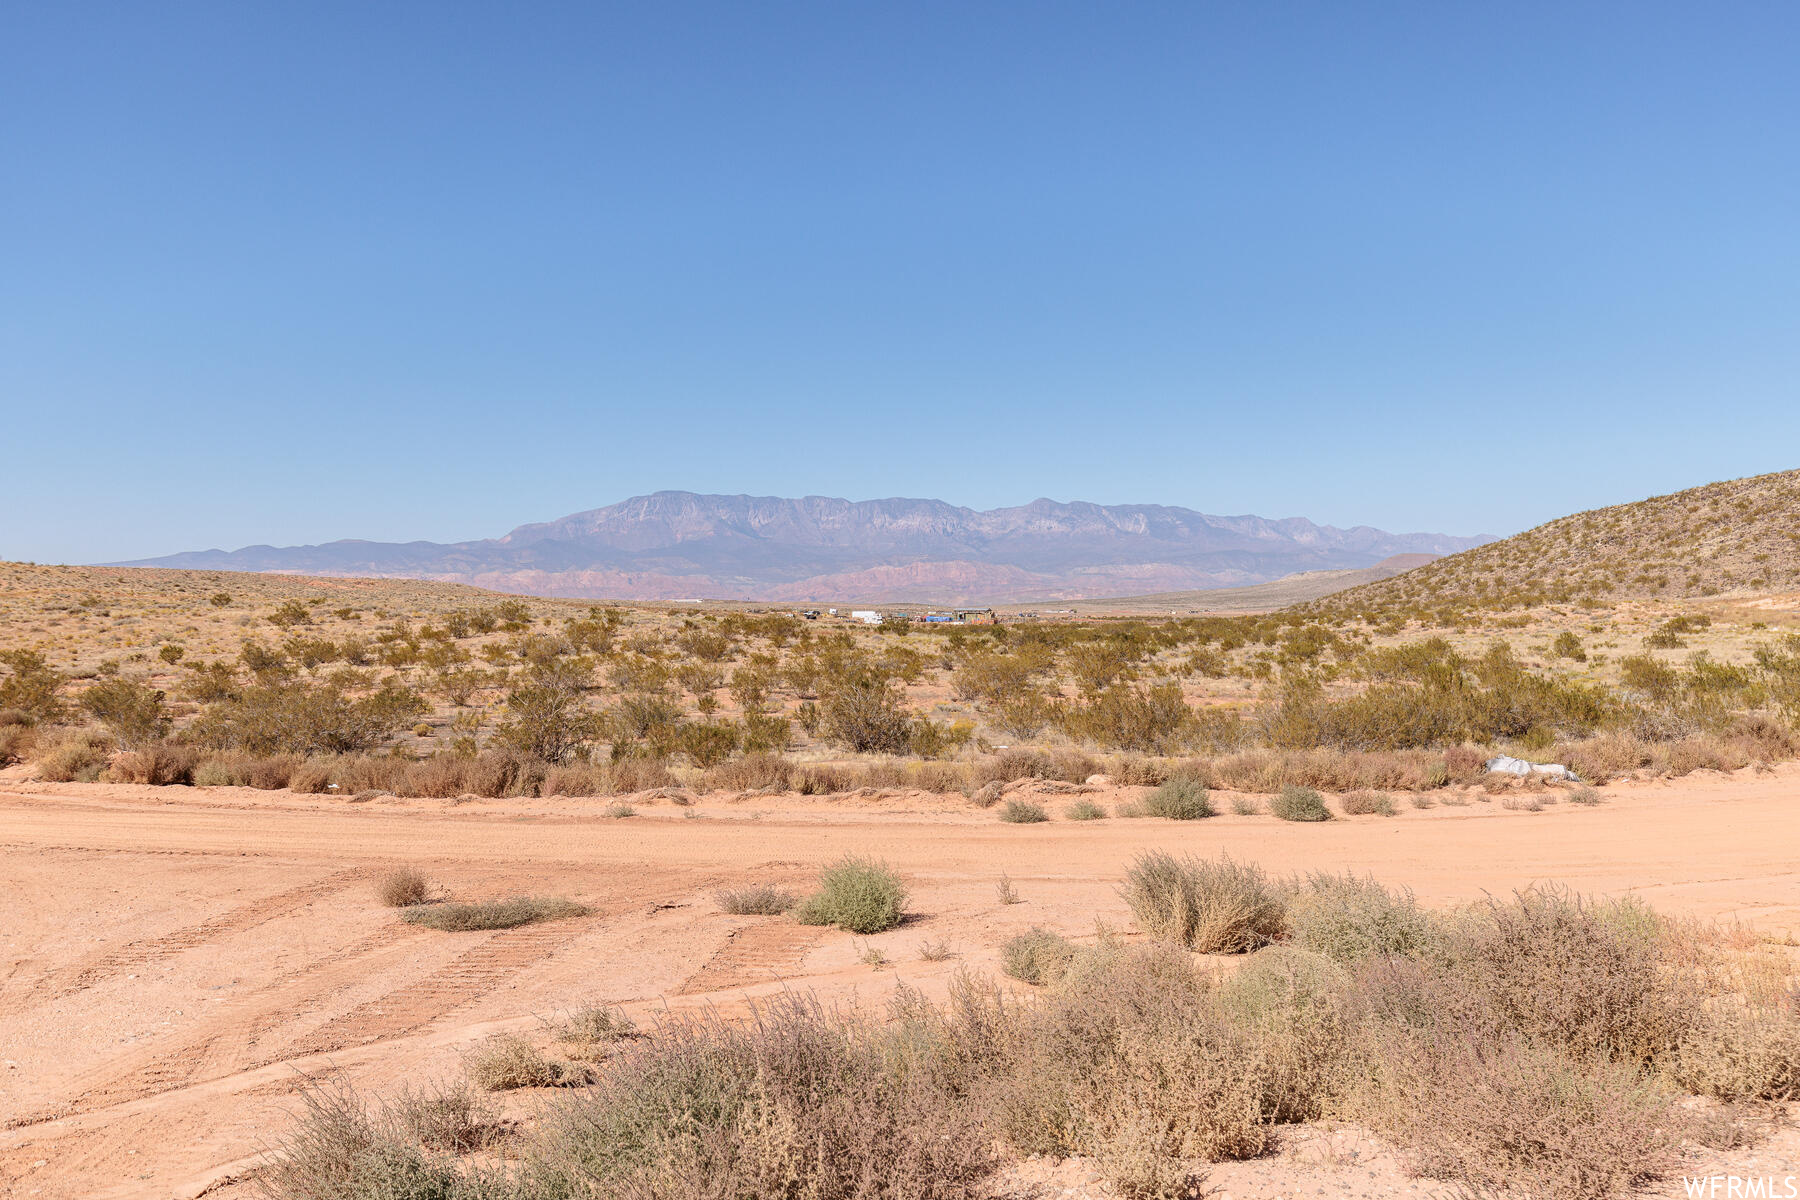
(680, 545)
(1741, 535)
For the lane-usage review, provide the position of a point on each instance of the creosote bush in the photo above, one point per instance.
(860, 895)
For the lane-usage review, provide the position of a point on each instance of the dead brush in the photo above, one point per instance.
(455, 1118)
(403, 887)
(507, 1061)
(759, 900)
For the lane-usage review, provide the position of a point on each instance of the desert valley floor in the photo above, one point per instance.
(175, 962)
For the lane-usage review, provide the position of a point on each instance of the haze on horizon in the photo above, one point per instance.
(287, 274)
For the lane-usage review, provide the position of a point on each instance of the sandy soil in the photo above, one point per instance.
(174, 962)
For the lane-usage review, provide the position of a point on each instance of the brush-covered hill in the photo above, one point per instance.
(1742, 535)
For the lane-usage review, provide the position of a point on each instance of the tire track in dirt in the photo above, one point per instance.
(60, 985)
(467, 977)
(233, 1047)
(754, 954)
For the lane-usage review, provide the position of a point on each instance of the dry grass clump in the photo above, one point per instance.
(1022, 812)
(403, 887)
(1366, 803)
(1037, 956)
(1084, 810)
(860, 895)
(1299, 804)
(159, 764)
(494, 914)
(1182, 798)
(1214, 906)
(592, 1030)
(73, 756)
(760, 900)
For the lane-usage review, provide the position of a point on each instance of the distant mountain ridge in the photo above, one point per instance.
(682, 545)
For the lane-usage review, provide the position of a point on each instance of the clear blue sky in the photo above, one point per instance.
(290, 272)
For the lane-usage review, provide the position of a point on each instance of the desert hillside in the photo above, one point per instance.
(1737, 536)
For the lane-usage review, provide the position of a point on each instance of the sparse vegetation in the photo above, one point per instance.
(1299, 804)
(1182, 798)
(1038, 956)
(469, 916)
(860, 895)
(1022, 812)
(1215, 906)
(760, 900)
(403, 887)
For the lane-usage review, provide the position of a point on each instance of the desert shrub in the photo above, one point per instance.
(639, 775)
(1037, 956)
(271, 772)
(595, 1024)
(1182, 798)
(546, 715)
(1153, 719)
(31, 687)
(1349, 918)
(159, 764)
(1291, 1001)
(311, 778)
(1509, 1115)
(76, 756)
(507, 1061)
(338, 1149)
(1587, 976)
(760, 900)
(455, 1119)
(867, 716)
(296, 717)
(370, 773)
(1022, 812)
(17, 736)
(403, 887)
(1084, 810)
(1124, 1060)
(494, 914)
(1743, 1048)
(131, 711)
(753, 772)
(1214, 906)
(1366, 803)
(794, 1102)
(1299, 804)
(577, 779)
(861, 895)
